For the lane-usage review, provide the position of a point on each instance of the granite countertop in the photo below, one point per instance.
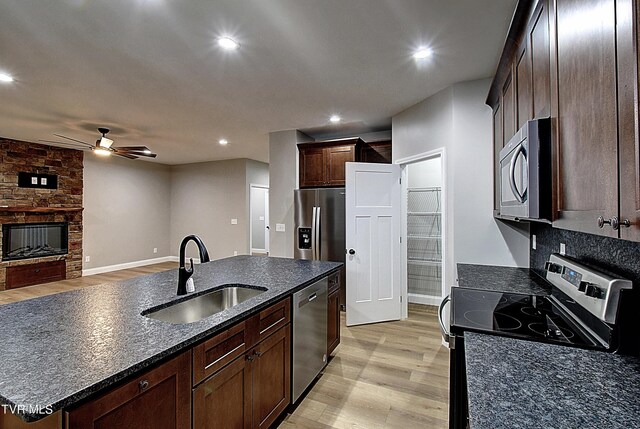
(525, 384)
(59, 349)
(502, 279)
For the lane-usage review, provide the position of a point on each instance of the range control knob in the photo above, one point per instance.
(552, 267)
(593, 291)
(582, 286)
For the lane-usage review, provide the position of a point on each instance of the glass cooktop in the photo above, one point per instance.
(524, 316)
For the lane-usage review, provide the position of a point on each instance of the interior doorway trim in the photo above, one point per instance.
(252, 250)
(403, 163)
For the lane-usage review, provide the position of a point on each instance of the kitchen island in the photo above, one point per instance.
(62, 350)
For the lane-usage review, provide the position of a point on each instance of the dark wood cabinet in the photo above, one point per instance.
(628, 28)
(375, 152)
(539, 46)
(242, 376)
(157, 399)
(586, 134)
(322, 164)
(508, 110)
(523, 85)
(312, 167)
(498, 144)
(250, 392)
(271, 374)
(224, 399)
(32, 274)
(333, 318)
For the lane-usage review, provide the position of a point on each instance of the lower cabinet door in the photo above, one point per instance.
(333, 321)
(158, 399)
(223, 401)
(271, 367)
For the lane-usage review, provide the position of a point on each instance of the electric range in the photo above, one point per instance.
(580, 311)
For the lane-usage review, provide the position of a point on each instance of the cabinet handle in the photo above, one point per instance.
(250, 357)
(602, 222)
(37, 270)
(143, 385)
(614, 222)
(257, 353)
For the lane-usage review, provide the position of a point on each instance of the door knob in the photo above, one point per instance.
(352, 252)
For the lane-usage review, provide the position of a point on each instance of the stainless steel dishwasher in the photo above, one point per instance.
(309, 336)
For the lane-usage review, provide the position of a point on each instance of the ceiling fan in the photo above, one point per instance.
(104, 146)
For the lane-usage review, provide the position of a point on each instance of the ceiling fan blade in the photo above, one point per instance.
(69, 138)
(65, 145)
(135, 150)
(125, 155)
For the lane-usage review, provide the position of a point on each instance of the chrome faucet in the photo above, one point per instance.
(185, 273)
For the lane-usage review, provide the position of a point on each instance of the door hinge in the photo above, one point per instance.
(400, 298)
(400, 180)
(400, 239)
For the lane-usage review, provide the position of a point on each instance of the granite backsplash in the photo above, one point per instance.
(618, 256)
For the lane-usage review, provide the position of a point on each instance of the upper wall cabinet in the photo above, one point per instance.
(586, 134)
(628, 42)
(577, 61)
(322, 164)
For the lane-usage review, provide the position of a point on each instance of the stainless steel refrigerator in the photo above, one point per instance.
(320, 228)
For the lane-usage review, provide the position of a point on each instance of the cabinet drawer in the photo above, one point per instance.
(32, 274)
(159, 398)
(273, 318)
(213, 354)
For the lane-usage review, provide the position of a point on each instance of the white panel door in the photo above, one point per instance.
(374, 275)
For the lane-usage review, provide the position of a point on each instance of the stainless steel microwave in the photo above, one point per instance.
(525, 172)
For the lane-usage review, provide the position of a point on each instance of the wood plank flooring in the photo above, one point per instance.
(386, 375)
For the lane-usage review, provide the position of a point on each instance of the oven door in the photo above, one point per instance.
(514, 179)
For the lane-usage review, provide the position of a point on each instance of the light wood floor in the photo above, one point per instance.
(386, 375)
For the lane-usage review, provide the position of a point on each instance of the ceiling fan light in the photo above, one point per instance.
(101, 151)
(105, 142)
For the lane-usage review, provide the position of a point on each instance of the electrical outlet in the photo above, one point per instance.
(234, 221)
(533, 242)
(279, 227)
(155, 250)
(235, 253)
(563, 249)
(87, 258)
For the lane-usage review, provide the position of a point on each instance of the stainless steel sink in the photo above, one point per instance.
(203, 306)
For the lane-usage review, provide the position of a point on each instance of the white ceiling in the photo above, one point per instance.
(152, 72)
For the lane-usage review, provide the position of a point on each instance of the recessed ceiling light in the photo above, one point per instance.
(6, 78)
(422, 53)
(335, 119)
(223, 141)
(228, 43)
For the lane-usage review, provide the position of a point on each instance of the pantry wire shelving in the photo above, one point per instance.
(424, 242)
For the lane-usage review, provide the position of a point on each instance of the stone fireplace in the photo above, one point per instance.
(42, 227)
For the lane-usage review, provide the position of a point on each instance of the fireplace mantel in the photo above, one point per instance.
(26, 209)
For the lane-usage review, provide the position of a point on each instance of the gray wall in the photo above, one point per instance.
(457, 120)
(126, 211)
(204, 198)
(283, 179)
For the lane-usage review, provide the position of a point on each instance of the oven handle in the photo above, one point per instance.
(512, 174)
(443, 330)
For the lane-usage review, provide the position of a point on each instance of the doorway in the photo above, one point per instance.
(259, 219)
(424, 228)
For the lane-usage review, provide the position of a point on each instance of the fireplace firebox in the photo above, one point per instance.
(34, 240)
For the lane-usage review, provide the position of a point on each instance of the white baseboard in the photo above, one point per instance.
(127, 265)
(415, 298)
